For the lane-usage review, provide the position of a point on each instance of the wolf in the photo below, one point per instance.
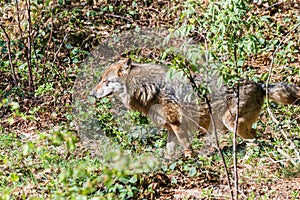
(146, 88)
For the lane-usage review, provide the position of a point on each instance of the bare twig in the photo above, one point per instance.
(19, 21)
(22, 40)
(57, 51)
(275, 4)
(29, 29)
(30, 78)
(267, 90)
(47, 49)
(118, 16)
(9, 55)
(288, 156)
(236, 180)
(194, 86)
(218, 145)
(272, 61)
(215, 130)
(236, 122)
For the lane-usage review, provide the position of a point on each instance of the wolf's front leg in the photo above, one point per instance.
(171, 143)
(173, 113)
(183, 139)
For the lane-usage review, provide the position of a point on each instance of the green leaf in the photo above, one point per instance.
(172, 166)
(69, 46)
(133, 179)
(14, 177)
(10, 120)
(193, 171)
(174, 180)
(14, 105)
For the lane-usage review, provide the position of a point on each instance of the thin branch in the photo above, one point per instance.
(19, 21)
(273, 58)
(236, 122)
(214, 126)
(57, 51)
(288, 157)
(47, 49)
(22, 40)
(236, 180)
(275, 4)
(30, 78)
(9, 56)
(30, 28)
(118, 16)
(267, 90)
(194, 86)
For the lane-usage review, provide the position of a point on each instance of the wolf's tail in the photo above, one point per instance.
(283, 93)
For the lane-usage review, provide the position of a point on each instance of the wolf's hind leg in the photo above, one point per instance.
(244, 128)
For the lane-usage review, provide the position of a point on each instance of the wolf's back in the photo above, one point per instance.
(283, 93)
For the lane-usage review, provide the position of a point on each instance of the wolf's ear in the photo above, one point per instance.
(125, 67)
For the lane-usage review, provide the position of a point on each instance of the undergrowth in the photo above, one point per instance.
(43, 158)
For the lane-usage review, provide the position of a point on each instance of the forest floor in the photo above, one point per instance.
(42, 157)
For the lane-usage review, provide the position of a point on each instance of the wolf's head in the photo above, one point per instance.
(112, 81)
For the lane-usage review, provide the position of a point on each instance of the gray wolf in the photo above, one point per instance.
(145, 88)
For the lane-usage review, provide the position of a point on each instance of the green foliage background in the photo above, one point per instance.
(43, 43)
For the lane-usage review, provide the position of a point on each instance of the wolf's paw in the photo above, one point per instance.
(188, 153)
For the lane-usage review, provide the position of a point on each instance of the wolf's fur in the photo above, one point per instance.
(145, 88)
